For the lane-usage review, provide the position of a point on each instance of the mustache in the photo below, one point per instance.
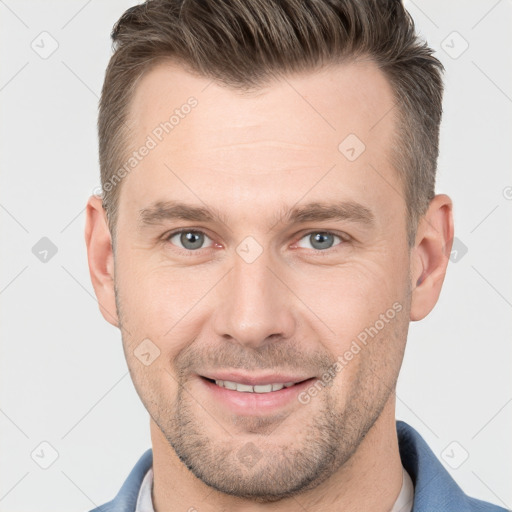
(278, 355)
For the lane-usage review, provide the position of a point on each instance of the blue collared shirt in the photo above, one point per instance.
(434, 488)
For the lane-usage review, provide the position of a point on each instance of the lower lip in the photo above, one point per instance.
(256, 403)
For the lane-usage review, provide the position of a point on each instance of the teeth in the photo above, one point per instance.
(245, 388)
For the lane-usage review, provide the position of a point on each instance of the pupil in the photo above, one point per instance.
(191, 240)
(322, 240)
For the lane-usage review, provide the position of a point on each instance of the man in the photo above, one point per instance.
(268, 228)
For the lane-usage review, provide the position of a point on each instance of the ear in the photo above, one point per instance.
(100, 258)
(430, 255)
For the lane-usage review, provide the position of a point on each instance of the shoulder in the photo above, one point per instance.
(434, 487)
(126, 498)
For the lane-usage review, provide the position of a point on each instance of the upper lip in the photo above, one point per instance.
(254, 380)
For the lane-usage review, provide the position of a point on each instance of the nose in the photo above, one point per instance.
(255, 305)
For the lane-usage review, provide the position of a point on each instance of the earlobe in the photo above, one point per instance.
(430, 256)
(100, 258)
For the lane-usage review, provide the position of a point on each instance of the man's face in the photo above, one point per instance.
(252, 296)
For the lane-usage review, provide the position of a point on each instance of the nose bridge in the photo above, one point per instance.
(254, 304)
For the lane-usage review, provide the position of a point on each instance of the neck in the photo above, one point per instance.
(370, 480)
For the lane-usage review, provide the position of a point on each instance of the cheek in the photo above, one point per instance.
(364, 308)
(155, 387)
(155, 297)
(353, 297)
(152, 306)
(368, 350)
(149, 358)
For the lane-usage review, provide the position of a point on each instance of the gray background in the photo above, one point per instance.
(64, 380)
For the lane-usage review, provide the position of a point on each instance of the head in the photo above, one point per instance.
(268, 208)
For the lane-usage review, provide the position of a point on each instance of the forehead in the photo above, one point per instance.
(354, 96)
(274, 142)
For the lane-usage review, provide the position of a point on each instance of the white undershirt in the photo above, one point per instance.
(406, 497)
(402, 504)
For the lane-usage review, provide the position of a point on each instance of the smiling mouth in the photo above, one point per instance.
(247, 388)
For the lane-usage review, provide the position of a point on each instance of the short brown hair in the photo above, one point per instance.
(243, 43)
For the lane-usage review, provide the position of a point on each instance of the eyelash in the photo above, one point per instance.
(188, 252)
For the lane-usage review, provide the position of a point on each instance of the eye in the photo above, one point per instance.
(320, 240)
(193, 240)
(189, 239)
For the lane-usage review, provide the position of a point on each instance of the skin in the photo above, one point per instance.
(294, 308)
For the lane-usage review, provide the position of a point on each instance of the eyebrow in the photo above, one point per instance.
(162, 211)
